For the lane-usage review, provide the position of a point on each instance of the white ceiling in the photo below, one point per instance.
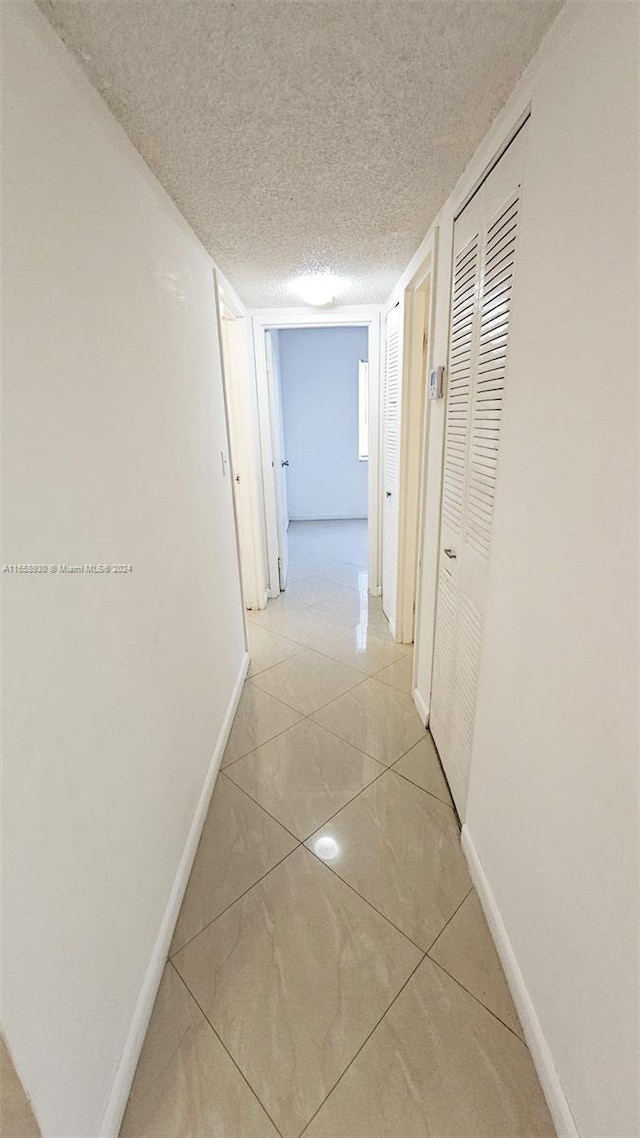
(305, 135)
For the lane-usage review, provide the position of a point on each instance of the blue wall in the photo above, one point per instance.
(319, 378)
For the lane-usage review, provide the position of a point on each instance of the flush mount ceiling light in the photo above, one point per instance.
(318, 288)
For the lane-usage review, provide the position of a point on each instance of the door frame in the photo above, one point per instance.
(274, 387)
(267, 319)
(417, 340)
(236, 352)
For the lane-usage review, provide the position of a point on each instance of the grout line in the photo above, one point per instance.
(422, 788)
(339, 808)
(448, 922)
(323, 705)
(273, 818)
(303, 841)
(223, 1044)
(366, 899)
(345, 804)
(265, 741)
(364, 1042)
(476, 998)
(238, 898)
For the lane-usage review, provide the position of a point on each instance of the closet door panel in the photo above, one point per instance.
(485, 248)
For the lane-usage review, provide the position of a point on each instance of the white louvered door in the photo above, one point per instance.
(391, 464)
(485, 238)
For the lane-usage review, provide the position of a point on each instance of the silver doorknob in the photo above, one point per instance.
(451, 554)
(285, 462)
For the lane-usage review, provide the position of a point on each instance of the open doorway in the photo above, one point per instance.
(319, 396)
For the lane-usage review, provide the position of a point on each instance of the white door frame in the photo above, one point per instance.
(236, 347)
(274, 386)
(263, 320)
(414, 295)
(416, 361)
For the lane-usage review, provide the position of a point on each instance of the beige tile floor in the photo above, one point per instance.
(16, 1117)
(331, 972)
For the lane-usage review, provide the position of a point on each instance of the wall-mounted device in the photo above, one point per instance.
(436, 383)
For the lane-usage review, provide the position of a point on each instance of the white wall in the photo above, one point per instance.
(552, 809)
(116, 687)
(319, 382)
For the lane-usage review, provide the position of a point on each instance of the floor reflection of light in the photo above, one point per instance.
(361, 637)
(327, 848)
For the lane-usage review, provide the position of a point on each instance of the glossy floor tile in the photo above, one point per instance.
(466, 951)
(399, 675)
(186, 1084)
(259, 717)
(240, 842)
(314, 590)
(271, 617)
(421, 765)
(400, 849)
(304, 776)
(376, 718)
(308, 681)
(331, 974)
(293, 978)
(355, 607)
(266, 649)
(437, 1066)
(16, 1116)
(353, 576)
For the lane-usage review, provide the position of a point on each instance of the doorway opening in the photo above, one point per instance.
(319, 422)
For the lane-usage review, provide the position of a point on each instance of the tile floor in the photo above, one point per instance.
(331, 972)
(16, 1116)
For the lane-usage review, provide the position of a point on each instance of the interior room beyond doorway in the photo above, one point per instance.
(320, 422)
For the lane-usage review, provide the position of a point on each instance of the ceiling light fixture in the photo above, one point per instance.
(318, 289)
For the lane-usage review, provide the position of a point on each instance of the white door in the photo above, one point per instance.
(390, 464)
(485, 242)
(280, 461)
(233, 334)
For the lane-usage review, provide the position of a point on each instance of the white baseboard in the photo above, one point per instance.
(421, 707)
(538, 1046)
(142, 1014)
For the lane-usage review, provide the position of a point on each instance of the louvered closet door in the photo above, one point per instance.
(390, 464)
(485, 239)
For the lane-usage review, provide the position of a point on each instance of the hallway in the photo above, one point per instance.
(331, 972)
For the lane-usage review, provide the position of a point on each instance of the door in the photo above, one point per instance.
(484, 255)
(232, 349)
(278, 449)
(390, 465)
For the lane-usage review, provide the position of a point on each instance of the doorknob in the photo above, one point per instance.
(388, 493)
(450, 554)
(285, 462)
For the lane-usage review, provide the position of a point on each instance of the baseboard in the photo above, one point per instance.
(538, 1046)
(421, 707)
(142, 1014)
(331, 518)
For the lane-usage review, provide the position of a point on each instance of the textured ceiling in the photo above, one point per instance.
(299, 135)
